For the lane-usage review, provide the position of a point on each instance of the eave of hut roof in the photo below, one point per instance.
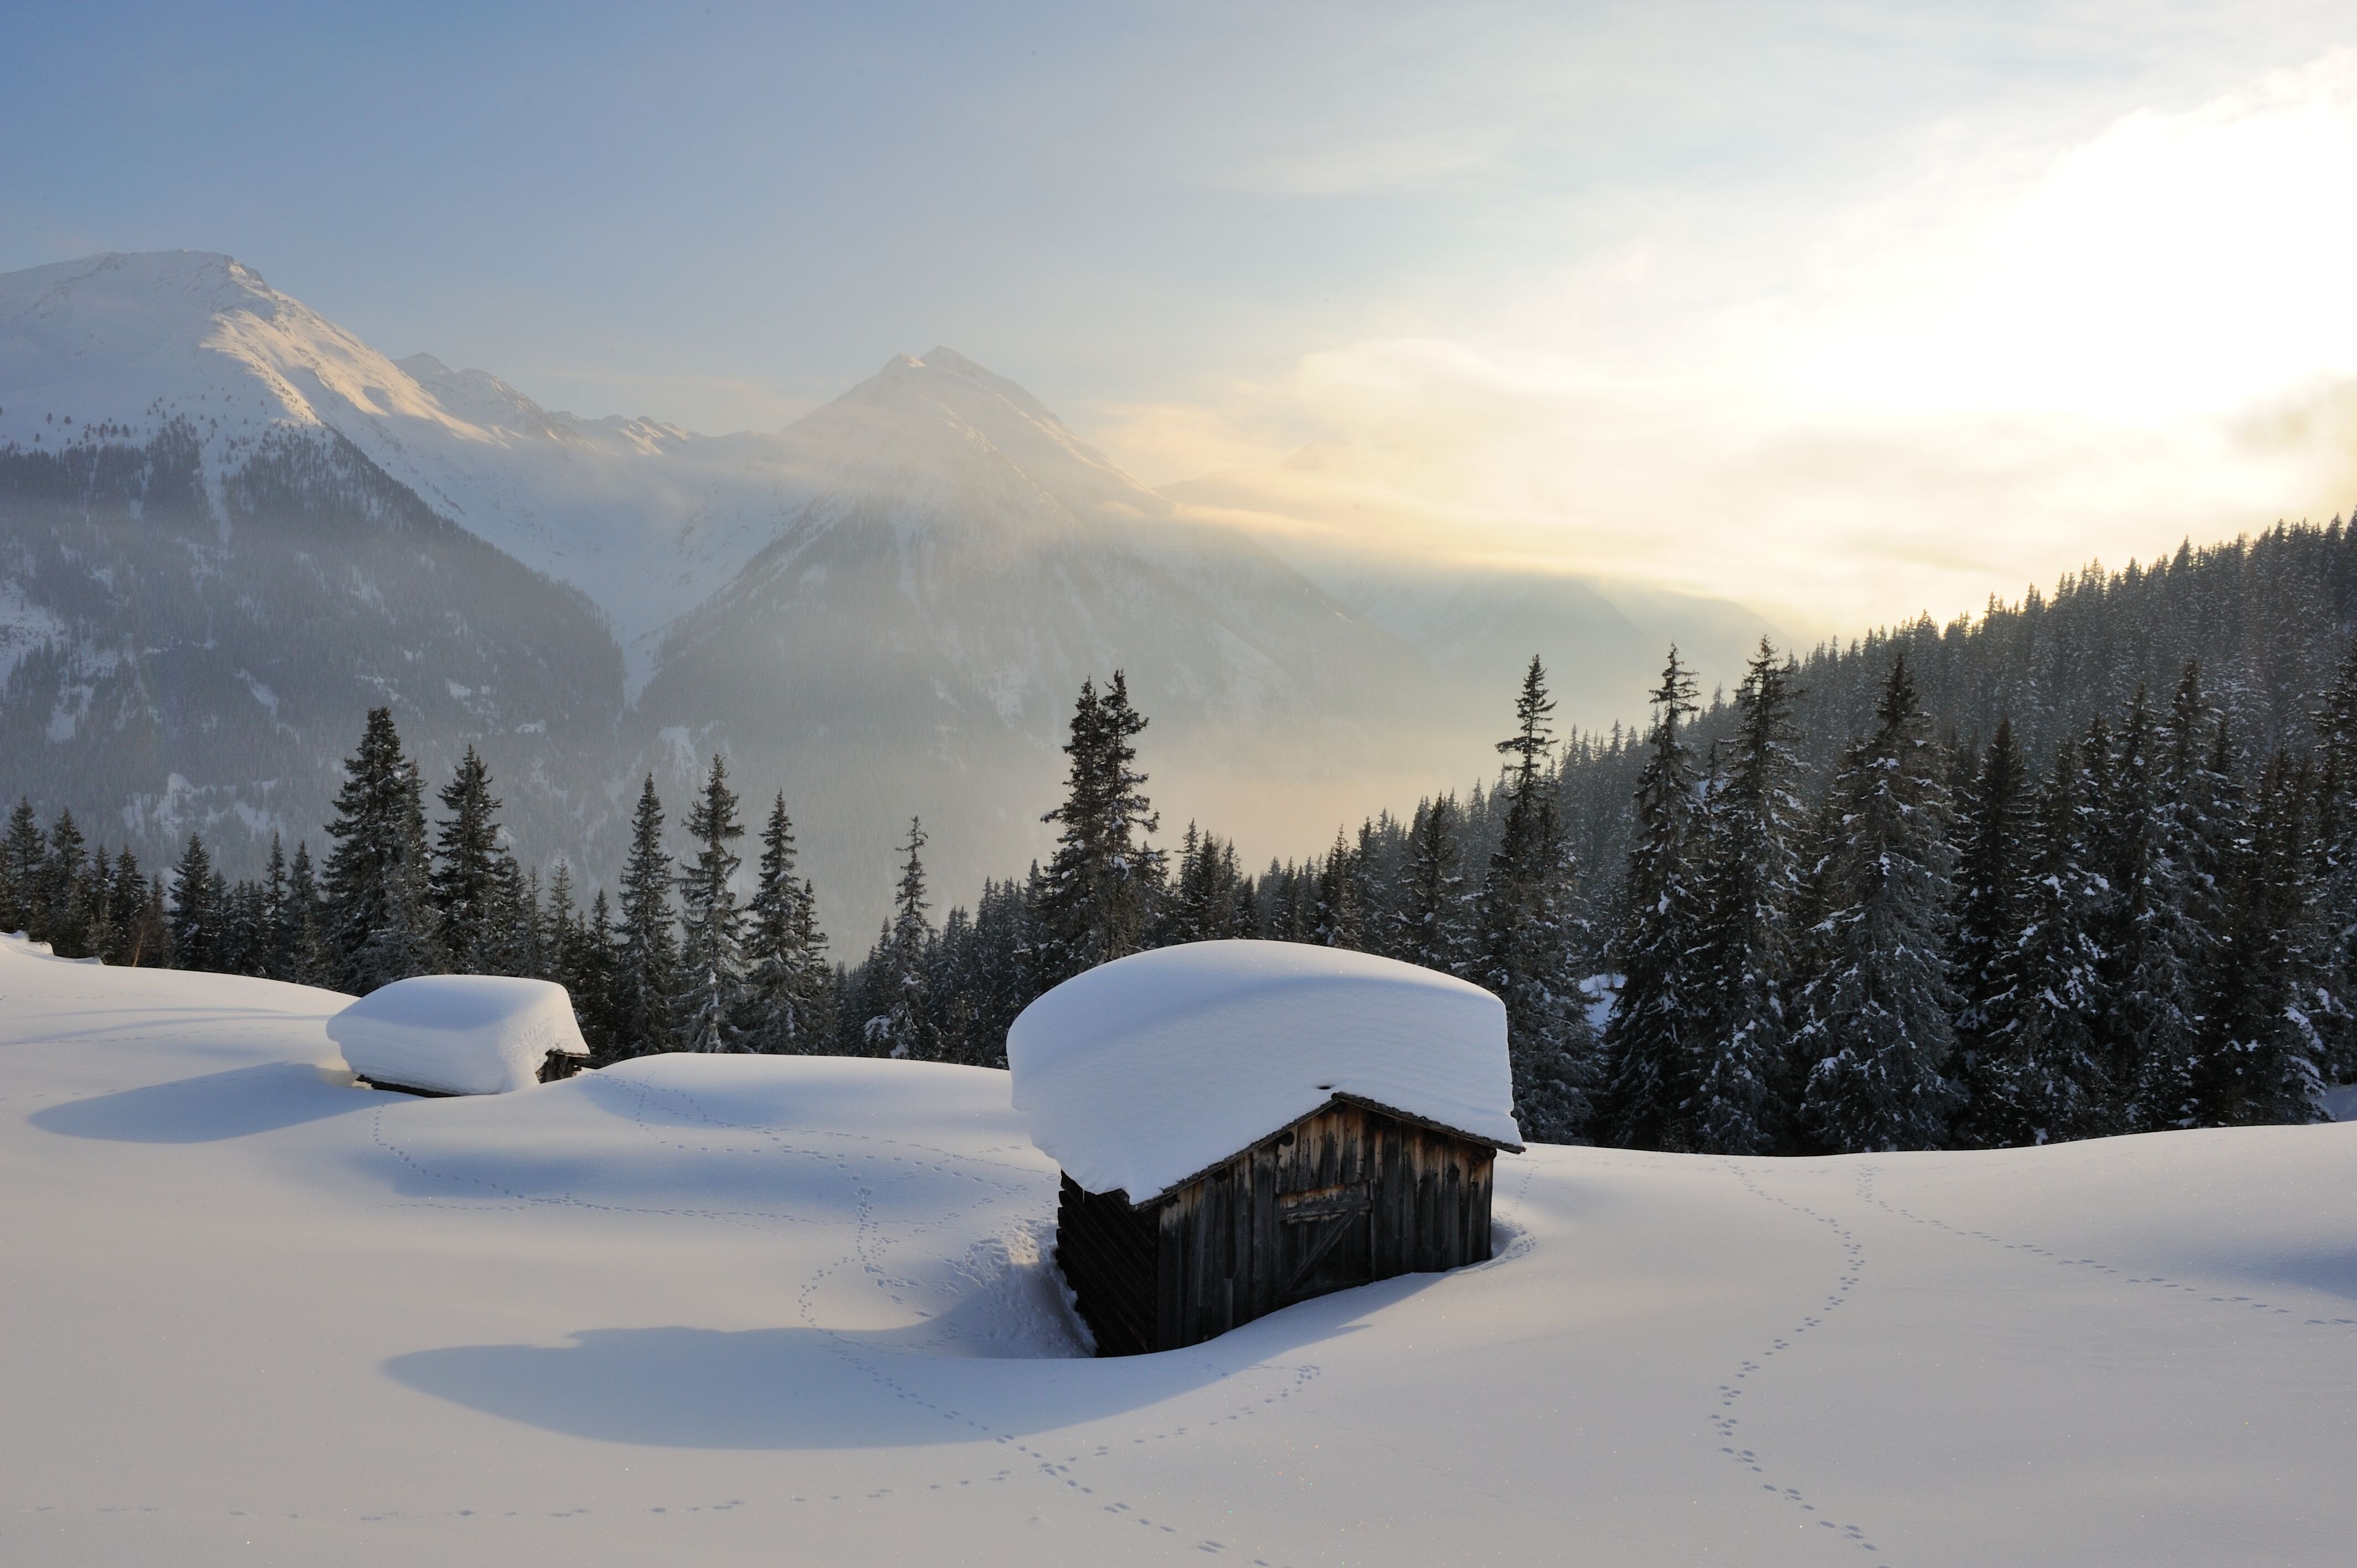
(1145, 1072)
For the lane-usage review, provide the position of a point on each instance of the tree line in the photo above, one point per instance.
(1736, 931)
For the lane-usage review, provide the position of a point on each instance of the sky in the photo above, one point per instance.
(1849, 312)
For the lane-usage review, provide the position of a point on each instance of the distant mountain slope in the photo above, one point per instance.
(227, 526)
(646, 519)
(194, 662)
(953, 564)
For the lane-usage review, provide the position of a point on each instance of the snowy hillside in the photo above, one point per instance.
(706, 1309)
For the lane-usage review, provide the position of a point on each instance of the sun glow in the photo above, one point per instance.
(1988, 365)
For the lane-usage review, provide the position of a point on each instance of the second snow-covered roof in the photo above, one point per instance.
(1152, 1069)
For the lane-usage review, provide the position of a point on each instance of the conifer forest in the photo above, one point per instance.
(2083, 865)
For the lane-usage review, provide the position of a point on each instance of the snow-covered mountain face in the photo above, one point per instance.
(952, 563)
(646, 519)
(885, 609)
(227, 526)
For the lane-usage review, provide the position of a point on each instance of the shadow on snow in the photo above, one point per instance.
(209, 1109)
(808, 1388)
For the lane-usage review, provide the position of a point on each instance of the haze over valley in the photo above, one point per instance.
(883, 609)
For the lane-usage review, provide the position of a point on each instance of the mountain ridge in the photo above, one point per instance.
(885, 608)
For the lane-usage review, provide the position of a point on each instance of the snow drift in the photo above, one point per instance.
(1144, 1071)
(458, 1033)
(690, 1306)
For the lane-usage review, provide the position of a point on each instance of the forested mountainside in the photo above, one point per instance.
(2268, 618)
(2068, 880)
(883, 608)
(174, 657)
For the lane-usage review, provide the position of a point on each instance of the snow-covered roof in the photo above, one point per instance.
(458, 1034)
(1148, 1070)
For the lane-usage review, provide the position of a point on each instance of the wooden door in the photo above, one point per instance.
(1324, 1204)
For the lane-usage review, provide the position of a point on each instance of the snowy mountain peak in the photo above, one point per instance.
(645, 519)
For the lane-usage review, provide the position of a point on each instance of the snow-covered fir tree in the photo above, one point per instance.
(709, 1005)
(20, 863)
(1340, 914)
(1428, 917)
(1202, 905)
(380, 918)
(1878, 1026)
(1528, 924)
(586, 969)
(2335, 1015)
(788, 986)
(2054, 1082)
(646, 962)
(1984, 940)
(1102, 881)
(1751, 892)
(467, 863)
(900, 1021)
(2165, 945)
(1653, 1040)
(2258, 1057)
(304, 939)
(195, 929)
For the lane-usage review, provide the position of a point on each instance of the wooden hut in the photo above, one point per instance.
(461, 1034)
(1244, 1125)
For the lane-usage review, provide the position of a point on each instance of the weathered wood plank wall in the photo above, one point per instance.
(1344, 1197)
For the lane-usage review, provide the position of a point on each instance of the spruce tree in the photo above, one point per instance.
(304, 937)
(21, 852)
(380, 922)
(2168, 949)
(96, 899)
(1527, 933)
(514, 945)
(1987, 936)
(2257, 1064)
(1428, 917)
(1340, 913)
(138, 940)
(788, 987)
(1202, 905)
(2336, 872)
(58, 890)
(646, 963)
(1104, 878)
(468, 863)
(712, 958)
(247, 950)
(1752, 888)
(195, 921)
(1879, 1016)
(2056, 1083)
(1653, 1040)
(275, 963)
(592, 959)
(899, 1019)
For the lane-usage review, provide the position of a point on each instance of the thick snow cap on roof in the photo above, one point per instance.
(1152, 1069)
(458, 1034)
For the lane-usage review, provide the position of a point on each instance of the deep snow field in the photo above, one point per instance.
(785, 1310)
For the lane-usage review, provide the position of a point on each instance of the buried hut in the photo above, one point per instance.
(1243, 1125)
(461, 1034)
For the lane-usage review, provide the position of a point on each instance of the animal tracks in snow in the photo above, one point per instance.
(2207, 1294)
(866, 1166)
(1724, 1419)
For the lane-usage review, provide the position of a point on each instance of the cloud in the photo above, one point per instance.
(709, 404)
(1993, 359)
